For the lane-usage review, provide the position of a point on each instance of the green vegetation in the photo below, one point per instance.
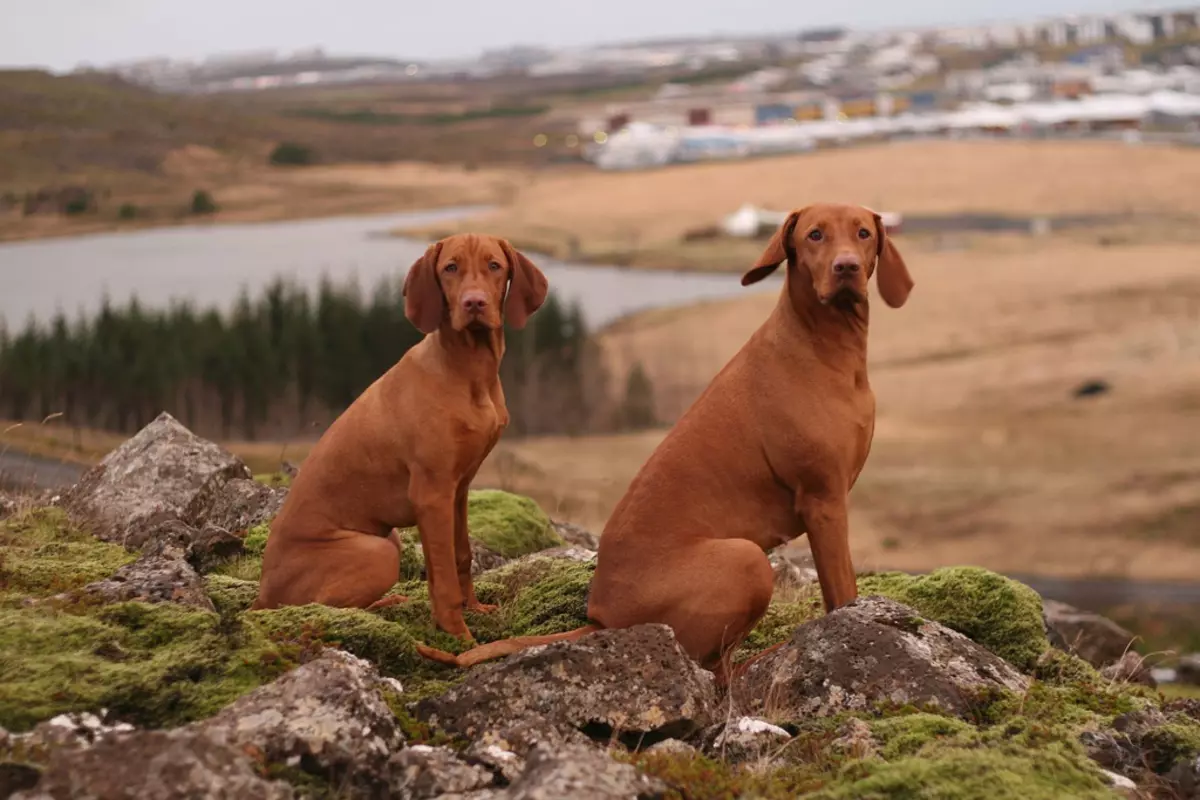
(287, 357)
(203, 203)
(127, 211)
(41, 554)
(290, 154)
(511, 525)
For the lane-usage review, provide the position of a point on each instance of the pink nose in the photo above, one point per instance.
(474, 302)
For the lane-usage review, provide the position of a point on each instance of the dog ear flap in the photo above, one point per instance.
(779, 249)
(527, 287)
(424, 302)
(894, 281)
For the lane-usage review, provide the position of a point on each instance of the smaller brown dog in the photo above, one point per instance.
(406, 450)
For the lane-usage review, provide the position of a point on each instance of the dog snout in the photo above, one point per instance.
(474, 302)
(846, 266)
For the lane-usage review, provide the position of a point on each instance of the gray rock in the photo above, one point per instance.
(164, 472)
(672, 747)
(792, 567)
(241, 504)
(746, 739)
(1130, 668)
(570, 552)
(635, 683)
(873, 650)
(483, 558)
(494, 753)
(575, 535)
(166, 578)
(421, 772)
(1094, 638)
(327, 714)
(580, 771)
(1188, 669)
(154, 765)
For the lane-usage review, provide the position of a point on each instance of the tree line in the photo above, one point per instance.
(284, 364)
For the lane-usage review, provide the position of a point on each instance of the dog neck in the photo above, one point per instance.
(477, 353)
(835, 332)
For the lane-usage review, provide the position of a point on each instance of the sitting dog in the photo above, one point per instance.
(767, 453)
(406, 450)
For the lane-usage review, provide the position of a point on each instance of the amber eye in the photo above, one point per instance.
(495, 266)
(815, 236)
(863, 233)
(451, 267)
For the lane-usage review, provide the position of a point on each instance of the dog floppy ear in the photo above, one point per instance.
(527, 287)
(894, 281)
(424, 303)
(779, 249)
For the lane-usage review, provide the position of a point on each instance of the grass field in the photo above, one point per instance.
(640, 218)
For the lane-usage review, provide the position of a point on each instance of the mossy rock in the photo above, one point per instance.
(230, 596)
(248, 566)
(960, 773)
(996, 612)
(509, 524)
(153, 665)
(42, 554)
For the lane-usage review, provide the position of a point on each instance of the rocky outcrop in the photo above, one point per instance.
(1094, 638)
(165, 578)
(154, 765)
(633, 683)
(164, 474)
(422, 772)
(580, 771)
(869, 652)
(576, 536)
(328, 715)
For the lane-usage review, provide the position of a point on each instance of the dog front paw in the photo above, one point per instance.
(482, 608)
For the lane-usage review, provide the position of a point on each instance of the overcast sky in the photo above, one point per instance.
(61, 34)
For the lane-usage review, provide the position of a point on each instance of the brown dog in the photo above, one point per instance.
(767, 453)
(406, 450)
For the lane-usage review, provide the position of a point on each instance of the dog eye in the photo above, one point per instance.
(863, 233)
(451, 267)
(494, 266)
(815, 236)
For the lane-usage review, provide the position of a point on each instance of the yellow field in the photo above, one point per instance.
(639, 217)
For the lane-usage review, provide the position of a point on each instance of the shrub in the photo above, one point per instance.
(203, 203)
(290, 154)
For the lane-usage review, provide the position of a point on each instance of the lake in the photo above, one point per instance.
(208, 265)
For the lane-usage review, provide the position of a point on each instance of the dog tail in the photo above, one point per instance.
(504, 647)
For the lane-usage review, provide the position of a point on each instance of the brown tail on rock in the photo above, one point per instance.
(504, 647)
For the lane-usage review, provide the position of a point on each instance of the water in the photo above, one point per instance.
(210, 265)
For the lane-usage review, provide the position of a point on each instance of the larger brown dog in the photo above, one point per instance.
(767, 453)
(406, 450)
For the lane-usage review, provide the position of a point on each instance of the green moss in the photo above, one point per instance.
(907, 734)
(1001, 614)
(42, 554)
(231, 596)
(274, 478)
(777, 625)
(389, 646)
(697, 777)
(953, 773)
(154, 665)
(511, 525)
(248, 566)
(538, 596)
(1169, 744)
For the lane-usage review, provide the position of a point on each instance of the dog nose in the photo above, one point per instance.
(474, 302)
(844, 267)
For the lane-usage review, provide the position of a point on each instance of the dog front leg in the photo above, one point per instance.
(435, 509)
(826, 519)
(462, 552)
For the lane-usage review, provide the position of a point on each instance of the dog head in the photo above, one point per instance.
(472, 282)
(837, 248)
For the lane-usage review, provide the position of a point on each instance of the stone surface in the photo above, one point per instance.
(165, 472)
(1130, 668)
(746, 739)
(554, 773)
(672, 747)
(241, 504)
(483, 558)
(871, 651)
(793, 567)
(166, 578)
(576, 536)
(570, 553)
(154, 765)
(328, 713)
(1094, 638)
(421, 772)
(1188, 669)
(635, 682)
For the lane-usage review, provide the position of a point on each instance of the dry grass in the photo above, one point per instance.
(640, 217)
